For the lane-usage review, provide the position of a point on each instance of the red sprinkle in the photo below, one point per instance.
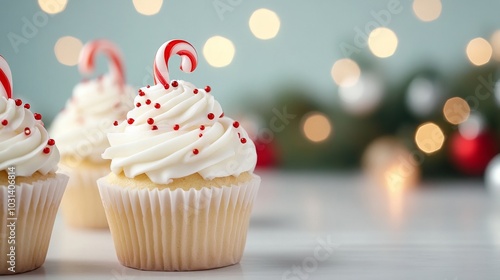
(5, 122)
(115, 123)
(236, 124)
(211, 116)
(27, 131)
(157, 105)
(138, 104)
(37, 116)
(154, 127)
(148, 86)
(221, 115)
(166, 86)
(195, 91)
(151, 121)
(46, 150)
(200, 135)
(130, 121)
(195, 151)
(51, 142)
(27, 106)
(176, 127)
(175, 84)
(208, 88)
(239, 135)
(141, 93)
(243, 140)
(19, 102)
(202, 127)
(148, 101)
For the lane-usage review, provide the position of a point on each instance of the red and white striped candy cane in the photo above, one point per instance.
(189, 59)
(89, 52)
(5, 78)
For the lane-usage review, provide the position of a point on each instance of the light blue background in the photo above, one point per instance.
(303, 51)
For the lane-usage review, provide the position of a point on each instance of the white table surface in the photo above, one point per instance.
(327, 226)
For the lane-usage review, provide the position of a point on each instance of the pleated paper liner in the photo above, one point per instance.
(81, 204)
(179, 230)
(36, 207)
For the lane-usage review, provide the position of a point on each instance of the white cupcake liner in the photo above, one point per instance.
(176, 229)
(36, 207)
(81, 204)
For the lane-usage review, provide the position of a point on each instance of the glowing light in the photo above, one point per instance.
(472, 127)
(316, 127)
(456, 110)
(363, 97)
(264, 24)
(429, 138)
(52, 7)
(218, 51)
(67, 50)
(382, 42)
(345, 72)
(479, 51)
(147, 8)
(427, 10)
(495, 44)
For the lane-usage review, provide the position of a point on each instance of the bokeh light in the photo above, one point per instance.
(429, 137)
(479, 51)
(67, 50)
(264, 24)
(456, 110)
(495, 44)
(427, 10)
(472, 127)
(316, 127)
(218, 51)
(364, 96)
(147, 7)
(382, 42)
(345, 72)
(52, 7)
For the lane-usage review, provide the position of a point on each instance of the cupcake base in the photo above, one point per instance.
(81, 204)
(25, 234)
(179, 230)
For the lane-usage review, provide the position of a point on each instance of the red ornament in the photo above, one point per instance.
(37, 116)
(210, 116)
(27, 106)
(5, 122)
(151, 121)
(236, 124)
(471, 156)
(157, 105)
(175, 84)
(141, 93)
(148, 101)
(46, 150)
(195, 91)
(195, 151)
(202, 127)
(115, 123)
(267, 154)
(138, 104)
(19, 102)
(130, 121)
(208, 88)
(243, 140)
(51, 142)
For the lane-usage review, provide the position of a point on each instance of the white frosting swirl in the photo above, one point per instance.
(182, 140)
(23, 141)
(80, 129)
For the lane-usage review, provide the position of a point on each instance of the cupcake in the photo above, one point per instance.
(80, 131)
(181, 190)
(30, 188)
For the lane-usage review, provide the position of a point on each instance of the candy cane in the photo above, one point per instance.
(89, 52)
(5, 78)
(189, 59)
